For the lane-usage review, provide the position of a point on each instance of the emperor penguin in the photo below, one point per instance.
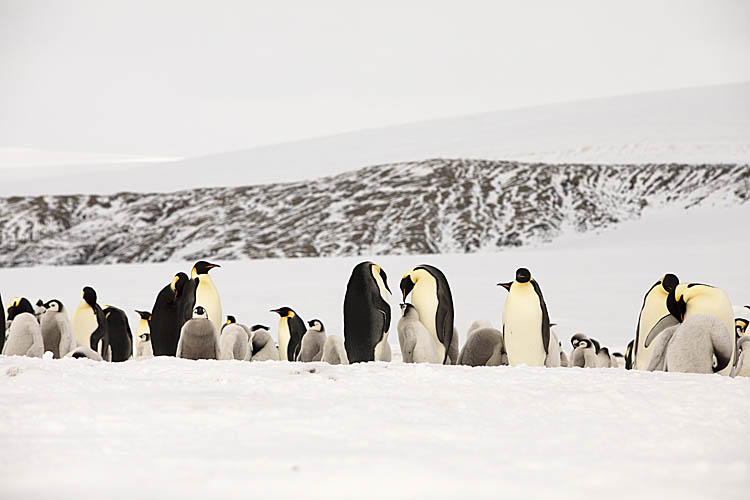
(173, 307)
(313, 342)
(39, 310)
(90, 325)
(526, 330)
(367, 314)
(741, 320)
(234, 341)
(584, 352)
(691, 346)
(417, 343)
(334, 352)
(431, 297)
(143, 348)
(653, 318)
(554, 352)
(742, 366)
(619, 359)
(692, 299)
(291, 330)
(120, 335)
(57, 330)
(2, 324)
(206, 294)
(261, 347)
(629, 355)
(199, 338)
(483, 346)
(24, 335)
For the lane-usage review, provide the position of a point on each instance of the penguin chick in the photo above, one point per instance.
(334, 352)
(262, 347)
(417, 344)
(603, 358)
(25, 334)
(584, 352)
(483, 346)
(313, 342)
(57, 330)
(233, 342)
(85, 352)
(698, 345)
(742, 367)
(143, 347)
(39, 310)
(198, 337)
(553, 351)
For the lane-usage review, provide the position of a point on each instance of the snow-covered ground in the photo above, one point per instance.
(693, 126)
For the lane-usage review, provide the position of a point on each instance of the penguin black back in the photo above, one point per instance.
(445, 314)
(2, 326)
(173, 307)
(366, 315)
(120, 336)
(18, 307)
(545, 316)
(101, 334)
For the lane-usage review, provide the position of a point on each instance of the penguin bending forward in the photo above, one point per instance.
(199, 338)
(143, 348)
(313, 342)
(431, 297)
(57, 330)
(653, 319)
(24, 334)
(367, 314)
(206, 294)
(526, 325)
(235, 340)
(261, 347)
(291, 330)
(120, 335)
(173, 307)
(483, 346)
(90, 325)
(584, 352)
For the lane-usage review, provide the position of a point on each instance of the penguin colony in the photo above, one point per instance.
(681, 327)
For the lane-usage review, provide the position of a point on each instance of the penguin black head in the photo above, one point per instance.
(202, 267)
(406, 285)
(178, 283)
(145, 337)
(144, 315)
(406, 309)
(89, 295)
(317, 325)
(259, 327)
(523, 275)
(740, 326)
(200, 311)
(284, 312)
(580, 340)
(669, 282)
(231, 319)
(18, 306)
(676, 306)
(40, 303)
(53, 305)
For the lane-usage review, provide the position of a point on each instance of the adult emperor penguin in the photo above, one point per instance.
(90, 325)
(120, 336)
(234, 341)
(367, 314)
(206, 294)
(584, 352)
(313, 342)
(629, 355)
(526, 330)
(143, 347)
(262, 347)
(691, 346)
(431, 297)
(334, 352)
(291, 331)
(416, 342)
(199, 338)
(687, 300)
(483, 346)
(57, 330)
(173, 307)
(653, 318)
(741, 320)
(24, 335)
(742, 366)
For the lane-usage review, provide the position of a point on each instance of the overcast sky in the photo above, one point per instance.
(186, 78)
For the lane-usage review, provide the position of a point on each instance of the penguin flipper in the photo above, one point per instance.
(545, 317)
(661, 325)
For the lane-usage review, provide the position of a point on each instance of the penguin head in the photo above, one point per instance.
(144, 315)
(676, 303)
(231, 319)
(89, 295)
(145, 337)
(580, 340)
(740, 326)
(409, 311)
(523, 275)
(54, 305)
(316, 325)
(407, 284)
(669, 282)
(378, 271)
(284, 312)
(200, 312)
(255, 328)
(178, 283)
(202, 267)
(17, 306)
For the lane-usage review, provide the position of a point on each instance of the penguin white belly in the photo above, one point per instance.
(207, 296)
(425, 350)
(654, 310)
(522, 324)
(424, 299)
(84, 324)
(143, 347)
(284, 337)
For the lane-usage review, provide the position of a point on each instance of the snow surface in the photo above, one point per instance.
(693, 126)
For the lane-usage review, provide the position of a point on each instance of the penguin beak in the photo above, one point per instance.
(211, 266)
(506, 285)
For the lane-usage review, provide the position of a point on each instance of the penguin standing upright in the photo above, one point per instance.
(57, 330)
(687, 300)
(526, 330)
(291, 331)
(334, 352)
(173, 307)
(120, 335)
(90, 325)
(653, 311)
(199, 338)
(417, 344)
(206, 294)
(313, 341)
(235, 340)
(143, 347)
(261, 346)
(584, 352)
(367, 314)
(431, 297)
(24, 335)
(629, 355)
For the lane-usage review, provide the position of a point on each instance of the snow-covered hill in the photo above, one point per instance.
(428, 207)
(691, 126)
